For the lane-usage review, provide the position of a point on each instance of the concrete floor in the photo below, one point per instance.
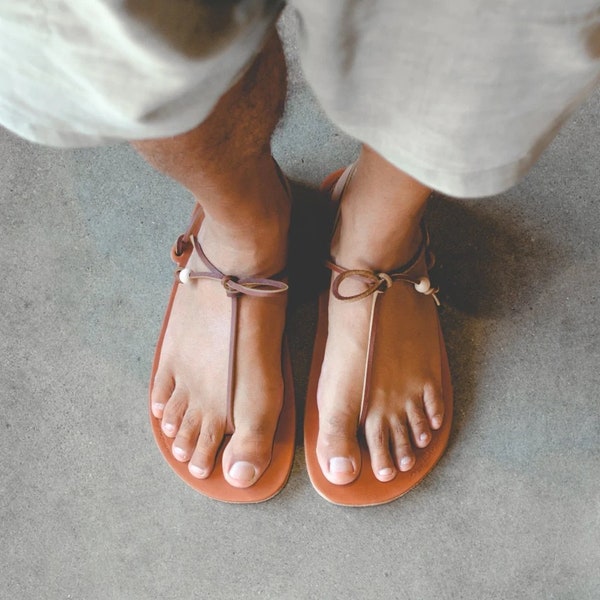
(89, 509)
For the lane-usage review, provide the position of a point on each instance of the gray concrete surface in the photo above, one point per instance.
(88, 508)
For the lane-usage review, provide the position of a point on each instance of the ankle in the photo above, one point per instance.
(379, 225)
(252, 186)
(375, 249)
(257, 249)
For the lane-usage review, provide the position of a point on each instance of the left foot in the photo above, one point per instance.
(405, 401)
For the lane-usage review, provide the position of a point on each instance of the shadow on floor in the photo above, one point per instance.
(309, 247)
(490, 265)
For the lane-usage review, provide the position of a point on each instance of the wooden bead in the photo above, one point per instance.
(423, 286)
(184, 275)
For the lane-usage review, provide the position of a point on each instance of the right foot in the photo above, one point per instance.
(190, 386)
(405, 395)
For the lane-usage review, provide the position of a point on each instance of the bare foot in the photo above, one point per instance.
(405, 402)
(190, 387)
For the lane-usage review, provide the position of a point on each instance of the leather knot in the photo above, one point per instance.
(252, 286)
(385, 280)
(233, 285)
(229, 283)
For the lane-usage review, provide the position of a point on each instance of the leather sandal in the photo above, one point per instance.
(276, 475)
(366, 489)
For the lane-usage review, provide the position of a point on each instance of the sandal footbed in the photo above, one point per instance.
(215, 486)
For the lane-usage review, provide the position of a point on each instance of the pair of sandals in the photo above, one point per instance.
(365, 490)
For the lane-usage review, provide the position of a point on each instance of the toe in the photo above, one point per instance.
(378, 440)
(337, 448)
(419, 424)
(434, 406)
(187, 434)
(400, 442)
(208, 443)
(161, 392)
(173, 413)
(248, 454)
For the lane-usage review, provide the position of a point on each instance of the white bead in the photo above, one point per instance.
(423, 286)
(184, 275)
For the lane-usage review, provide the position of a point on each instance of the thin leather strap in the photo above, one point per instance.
(183, 245)
(364, 400)
(233, 329)
(338, 189)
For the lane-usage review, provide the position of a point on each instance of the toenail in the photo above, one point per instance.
(436, 421)
(385, 472)
(179, 453)
(339, 464)
(168, 428)
(197, 471)
(406, 462)
(423, 437)
(242, 471)
(156, 407)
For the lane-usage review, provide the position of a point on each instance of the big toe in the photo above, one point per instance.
(337, 448)
(247, 455)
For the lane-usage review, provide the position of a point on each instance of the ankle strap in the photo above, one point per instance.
(234, 286)
(412, 272)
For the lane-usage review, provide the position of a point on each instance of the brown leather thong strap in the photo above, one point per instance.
(376, 284)
(234, 287)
